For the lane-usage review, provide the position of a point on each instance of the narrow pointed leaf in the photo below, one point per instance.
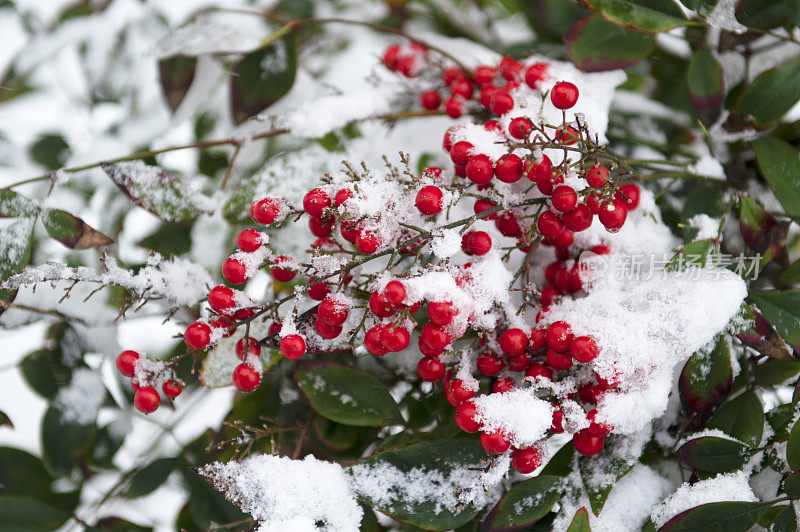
(176, 74)
(793, 447)
(782, 311)
(779, 162)
(580, 523)
(706, 85)
(71, 231)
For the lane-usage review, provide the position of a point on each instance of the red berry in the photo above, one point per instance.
(282, 275)
(557, 425)
(483, 205)
(535, 74)
(612, 214)
(564, 95)
(495, 442)
(503, 385)
(537, 369)
(629, 195)
(507, 224)
(447, 140)
(476, 243)
(317, 291)
(315, 201)
(435, 337)
(559, 336)
(172, 389)
(197, 335)
(508, 168)
(483, 74)
(246, 378)
(367, 242)
(489, 364)
(390, 56)
(373, 340)
(349, 231)
(326, 330)
(274, 328)
(342, 195)
(266, 211)
(395, 339)
(234, 271)
(583, 349)
(586, 444)
(292, 346)
(126, 362)
(558, 360)
(429, 200)
(520, 127)
(467, 417)
(519, 362)
(480, 169)
(564, 198)
(501, 103)
(430, 370)
(430, 100)
(461, 152)
(564, 239)
(321, 227)
(487, 93)
(537, 340)
(601, 250)
(462, 87)
(380, 306)
(454, 106)
(146, 399)
(541, 171)
(452, 74)
(600, 430)
(407, 65)
(509, 68)
(223, 323)
(526, 460)
(332, 311)
(592, 202)
(578, 219)
(441, 312)
(457, 392)
(460, 171)
(249, 240)
(247, 346)
(549, 224)
(513, 342)
(549, 293)
(597, 176)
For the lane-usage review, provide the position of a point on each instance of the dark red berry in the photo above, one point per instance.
(513, 342)
(430, 100)
(537, 340)
(467, 417)
(578, 219)
(558, 360)
(537, 369)
(317, 291)
(489, 364)
(429, 200)
(435, 337)
(520, 127)
(380, 306)
(476, 243)
(586, 444)
(321, 227)
(526, 460)
(503, 385)
(430, 370)
(197, 335)
(249, 240)
(246, 378)
(629, 195)
(326, 330)
(483, 205)
(564, 95)
(441, 312)
(549, 224)
(316, 201)
(146, 399)
(292, 346)
(487, 93)
(557, 425)
(495, 442)
(507, 224)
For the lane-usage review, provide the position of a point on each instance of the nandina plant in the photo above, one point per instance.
(476, 287)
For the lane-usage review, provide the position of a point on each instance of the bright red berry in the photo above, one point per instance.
(249, 240)
(597, 429)
(559, 336)
(597, 176)
(429, 200)
(483, 205)
(508, 168)
(537, 369)
(537, 340)
(462, 87)
(315, 201)
(513, 342)
(461, 152)
(317, 291)
(503, 385)
(489, 364)
(234, 271)
(292, 346)
(367, 242)
(266, 211)
(457, 392)
(476, 243)
(549, 224)
(282, 275)
(601, 250)
(441, 312)
(435, 337)
(567, 135)
(247, 346)
(520, 127)
(197, 335)
(172, 389)
(480, 169)
(326, 330)
(548, 294)
(333, 311)
(222, 323)
(564, 95)
(146, 399)
(321, 227)
(395, 339)
(246, 378)
(454, 106)
(483, 74)
(501, 103)
(564, 198)
(430, 370)
(629, 195)
(578, 219)
(509, 67)
(558, 360)
(519, 362)
(507, 224)
(342, 195)
(373, 340)
(380, 306)
(349, 231)
(126, 362)
(583, 349)
(535, 74)
(526, 460)
(487, 93)
(391, 56)
(539, 171)
(586, 444)
(467, 417)
(612, 214)
(495, 442)
(564, 239)
(430, 100)
(557, 425)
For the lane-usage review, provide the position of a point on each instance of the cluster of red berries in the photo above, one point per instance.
(146, 398)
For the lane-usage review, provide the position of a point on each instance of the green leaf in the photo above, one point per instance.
(597, 470)
(780, 420)
(63, 442)
(151, 477)
(15, 205)
(21, 473)
(176, 74)
(22, 514)
(701, 6)
(51, 151)
(5, 420)
(595, 44)
(44, 372)
(559, 464)
(793, 447)
(775, 371)
(727, 516)
(152, 189)
(713, 454)
(786, 521)
(524, 504)
(772, 94)
(433, 459)
(706, 85)
(742, 418)
(263, 76)
(551, 19)
(792, 273)
(706, 377)
(754, 220)
(767, 14)
(782, 310)
(780, 165)
(71, 231)
(207, 505)
(791, 485)
(691, 255)
(346, 395)
(580, 523)
(15, 250)
(654, 16)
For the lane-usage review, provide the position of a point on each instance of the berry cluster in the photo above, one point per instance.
(145, 375)
(441, 305)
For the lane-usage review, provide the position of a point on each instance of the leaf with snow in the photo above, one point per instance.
(346, 395)
(728, 516)
(580, 523)
(707, 377)
(15, 250)
(13, 204)
(158, 192)
(600, 472)
(524, 504)
(713, 454)
(742, 418)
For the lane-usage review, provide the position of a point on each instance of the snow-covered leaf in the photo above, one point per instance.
(706, 85)
(161, 193)
(713, 454)
(772, 94)
(742, 418)
(601, 472)
(595, 44)
(707, 377)
(580, 523)
(346, 395)
(646, 15)
(15, 250)
(71, 231)
(729, 516)
(263, 76)
(524, 504)
(13, 204)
